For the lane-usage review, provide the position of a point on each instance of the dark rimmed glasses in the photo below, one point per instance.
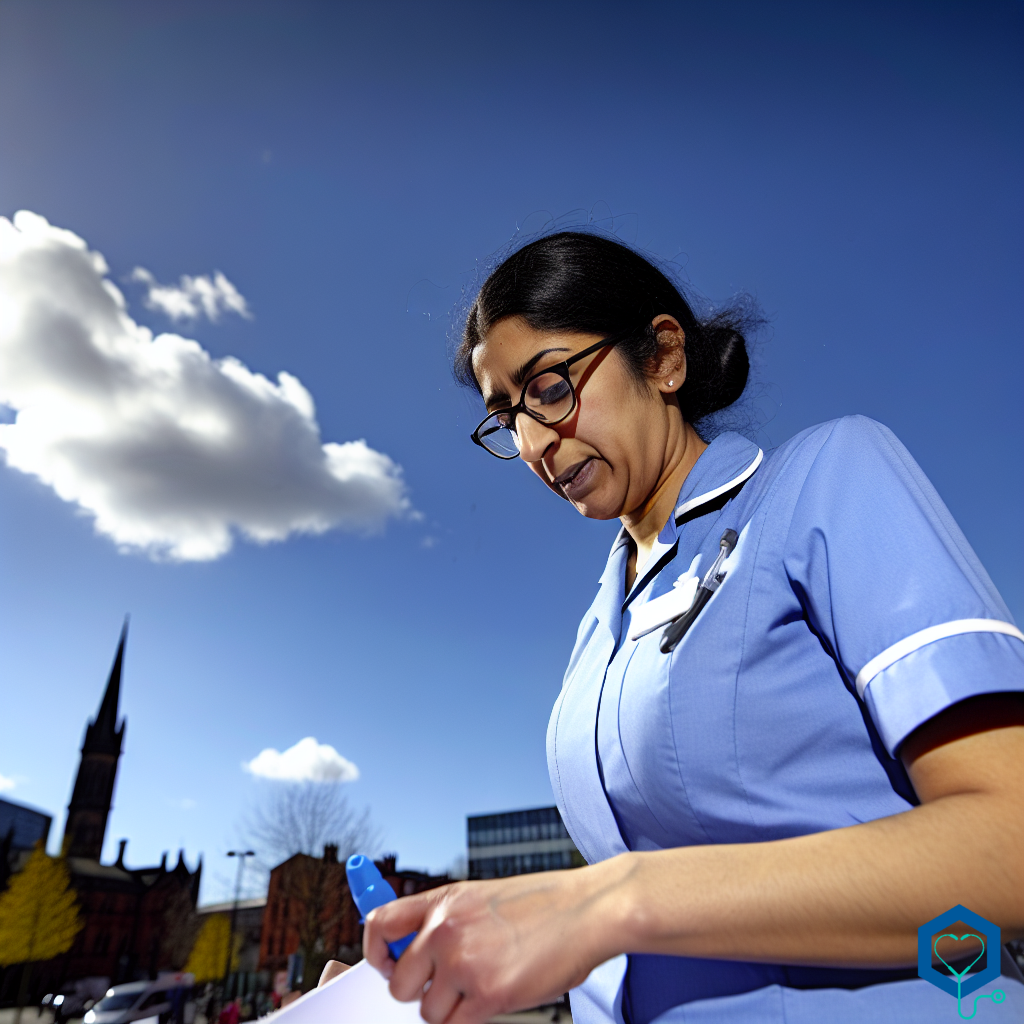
(548, 397)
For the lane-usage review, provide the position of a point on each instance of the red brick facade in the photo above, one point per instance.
(286, 918)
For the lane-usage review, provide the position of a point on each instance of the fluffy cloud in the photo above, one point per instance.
(6, 783)
(307, 761)
(193, 297)
(171, 451)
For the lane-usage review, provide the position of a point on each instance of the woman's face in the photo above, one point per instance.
(609, 456)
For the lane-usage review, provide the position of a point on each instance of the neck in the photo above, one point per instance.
(646, 522)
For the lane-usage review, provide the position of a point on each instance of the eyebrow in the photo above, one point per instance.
(519, 376)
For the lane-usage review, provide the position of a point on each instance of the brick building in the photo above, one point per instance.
(310, 916)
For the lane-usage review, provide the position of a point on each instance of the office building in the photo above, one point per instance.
(518, 843)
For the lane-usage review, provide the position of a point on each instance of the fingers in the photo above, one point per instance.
(390, 922)
(331, 970)
(469, 1011)
(438, 1003)
(412, 972)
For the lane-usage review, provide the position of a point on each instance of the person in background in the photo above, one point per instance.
(231, 1012)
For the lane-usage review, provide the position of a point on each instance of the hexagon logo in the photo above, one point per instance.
(958, 983)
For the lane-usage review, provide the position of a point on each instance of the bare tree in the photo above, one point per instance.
(313, 827)
(180, 928)
(303, 818)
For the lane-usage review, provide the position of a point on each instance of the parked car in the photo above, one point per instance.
(75, 998)
(144, 1001)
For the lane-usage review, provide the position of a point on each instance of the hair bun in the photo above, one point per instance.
(717, 367)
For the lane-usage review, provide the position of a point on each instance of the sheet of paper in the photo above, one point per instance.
(359, 996)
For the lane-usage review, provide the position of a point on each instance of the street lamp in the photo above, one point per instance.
(241, 855)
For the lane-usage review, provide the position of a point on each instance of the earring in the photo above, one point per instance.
(671, 382)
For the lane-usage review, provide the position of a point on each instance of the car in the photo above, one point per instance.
(142, 1001)
(73, 999)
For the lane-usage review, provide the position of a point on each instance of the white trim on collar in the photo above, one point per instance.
(692, 503)
(888, 657)
(622, 536)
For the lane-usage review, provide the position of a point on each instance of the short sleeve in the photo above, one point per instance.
(890, 584)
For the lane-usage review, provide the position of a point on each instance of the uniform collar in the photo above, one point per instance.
(726, 463)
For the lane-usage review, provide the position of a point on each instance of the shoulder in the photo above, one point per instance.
(853, 451)
(847, 472)
(845, 434)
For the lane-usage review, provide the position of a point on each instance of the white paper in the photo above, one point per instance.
(359, 996)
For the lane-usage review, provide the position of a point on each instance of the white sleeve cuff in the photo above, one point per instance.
(915, 641)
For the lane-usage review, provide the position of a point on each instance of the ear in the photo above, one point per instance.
(668, 369)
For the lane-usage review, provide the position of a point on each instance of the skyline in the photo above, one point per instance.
(349, 171)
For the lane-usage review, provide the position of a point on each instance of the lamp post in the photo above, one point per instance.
(241, 855)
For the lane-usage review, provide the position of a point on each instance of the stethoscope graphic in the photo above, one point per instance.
(997, 996)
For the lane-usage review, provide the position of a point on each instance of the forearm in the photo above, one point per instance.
(853, 896)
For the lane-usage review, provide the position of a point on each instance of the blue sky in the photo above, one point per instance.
(350, 167)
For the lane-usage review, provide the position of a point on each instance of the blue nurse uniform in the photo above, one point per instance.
(852, 611)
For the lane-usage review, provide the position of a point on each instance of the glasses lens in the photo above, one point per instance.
(549, 397)
(497, 437)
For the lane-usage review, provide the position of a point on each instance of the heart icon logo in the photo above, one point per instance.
(959, 975)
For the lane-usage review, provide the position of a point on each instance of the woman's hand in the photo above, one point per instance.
(496, 946)
(331, 970)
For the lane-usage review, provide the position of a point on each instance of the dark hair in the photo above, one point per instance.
(579, 281)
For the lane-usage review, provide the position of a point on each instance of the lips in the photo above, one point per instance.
(576, 480)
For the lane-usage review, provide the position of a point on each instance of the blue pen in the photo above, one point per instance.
(369, 890)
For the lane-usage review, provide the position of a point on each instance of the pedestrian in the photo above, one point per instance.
(231, 1012)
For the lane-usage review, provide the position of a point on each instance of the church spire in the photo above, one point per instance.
(103, 734)
(93, 792)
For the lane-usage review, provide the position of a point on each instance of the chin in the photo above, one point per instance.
(594, 509)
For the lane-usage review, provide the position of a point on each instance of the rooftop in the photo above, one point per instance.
(226, 908)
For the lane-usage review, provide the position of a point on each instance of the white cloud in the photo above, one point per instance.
(307, 761)
(169, 450)
(6, 783)
(193, 297)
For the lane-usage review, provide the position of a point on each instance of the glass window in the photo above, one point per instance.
(118, 1001)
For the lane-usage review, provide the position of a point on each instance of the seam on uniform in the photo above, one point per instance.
(554, 744)
(560, 706)
(922, 637)
(622, 746)
(818, 629)
(675, 745)
(782, 1004)
(763, 510)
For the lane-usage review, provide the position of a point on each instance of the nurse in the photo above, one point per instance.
(774, 798)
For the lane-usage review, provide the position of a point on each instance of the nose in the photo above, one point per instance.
(534, 438)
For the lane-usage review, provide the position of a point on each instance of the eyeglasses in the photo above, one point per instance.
(548, 397)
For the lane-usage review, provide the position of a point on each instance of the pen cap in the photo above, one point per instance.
(369, 891)
(361, 873)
